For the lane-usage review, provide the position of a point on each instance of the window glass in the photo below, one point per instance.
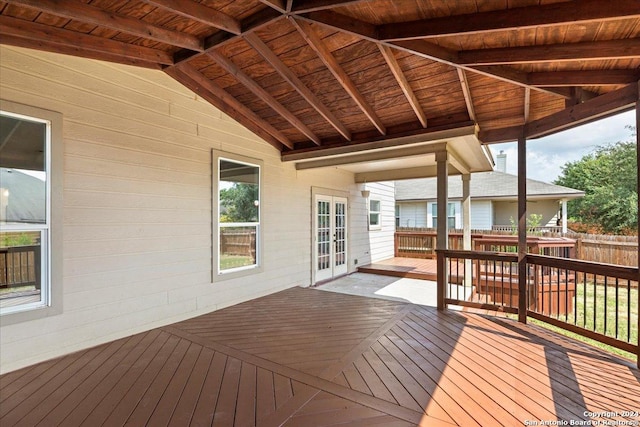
(238, 214)
(24, 209)
(451, 215)
(374, 213)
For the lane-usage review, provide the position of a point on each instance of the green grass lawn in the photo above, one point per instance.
(588, 295)
(235, 261)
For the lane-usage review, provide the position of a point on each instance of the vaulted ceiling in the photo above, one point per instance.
(312, 75)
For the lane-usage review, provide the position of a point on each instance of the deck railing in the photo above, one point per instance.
(597, 301)
(20, 266)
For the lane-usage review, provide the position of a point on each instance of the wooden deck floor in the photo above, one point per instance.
(413, 268)
(304, 357)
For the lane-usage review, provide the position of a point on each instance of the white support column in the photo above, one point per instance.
(442, 161)
(522, 229)
(564, 216)
(442, 240)
(466, 226)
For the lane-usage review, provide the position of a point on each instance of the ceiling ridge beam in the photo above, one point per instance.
(338, 72)
(398, 73)
(34, 31)
(296, 83)
(511, 19)
(259, 91)
(198, 12)
(583, 77)
(227, 103)
(582, 51)
(93, 15)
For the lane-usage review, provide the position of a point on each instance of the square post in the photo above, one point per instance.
(564, 216)
(638, 176)
(522, 228)
(442, 239)
(466, 227)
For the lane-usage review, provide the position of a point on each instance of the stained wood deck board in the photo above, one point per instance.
(312, 358)
(413, 268)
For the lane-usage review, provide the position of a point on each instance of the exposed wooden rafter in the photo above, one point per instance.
(598, 50)
(265, 96)
(279, 5)
(96, 16)
(519, 18)
(466, 91)
(200, 13)
(36, 33)
(338, 72)
(197, 82)
(397, 72)
(422, 48)
(297, 84)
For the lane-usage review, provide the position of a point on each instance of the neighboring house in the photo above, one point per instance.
(20, 194)
(493, 201)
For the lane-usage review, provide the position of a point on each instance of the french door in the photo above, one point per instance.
(330, 237)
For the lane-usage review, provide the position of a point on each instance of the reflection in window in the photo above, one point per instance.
(451, 215)
(239, 214)
(374, 213)
(23, 212)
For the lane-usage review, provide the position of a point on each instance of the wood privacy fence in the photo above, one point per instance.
(604, 249)
(238, 243)
(20, 266)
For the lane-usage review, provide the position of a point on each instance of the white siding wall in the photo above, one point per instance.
(137, 204)
(481, 214)
(380, 240)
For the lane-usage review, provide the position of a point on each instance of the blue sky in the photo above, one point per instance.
(546, 156)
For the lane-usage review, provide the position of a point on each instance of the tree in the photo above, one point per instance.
(239, 203)
(609, 178)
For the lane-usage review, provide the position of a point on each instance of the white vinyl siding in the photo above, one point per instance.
(481, 214)
(380, 238)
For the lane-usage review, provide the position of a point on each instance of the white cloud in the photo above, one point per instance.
(546, 156)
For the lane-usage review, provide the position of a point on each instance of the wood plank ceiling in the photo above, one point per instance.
(306, 75)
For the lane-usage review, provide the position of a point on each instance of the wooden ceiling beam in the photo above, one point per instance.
(216, 95)
(598, 50)
(338, 72)
(397, 72)
(93, 15)
(583, 78)
(36, 32)
(594, 109)
(527, 104)
(303, 6)
(422, 48)
(296, 83)
(466, 91)
(261, 93)
(198, 12)
(519, 18)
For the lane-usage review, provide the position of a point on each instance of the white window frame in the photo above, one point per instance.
(51, 232)
(456, 214)
(217, 273)
(378, 212)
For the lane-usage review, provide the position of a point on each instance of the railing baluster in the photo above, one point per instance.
(605, 306)
(617, 301)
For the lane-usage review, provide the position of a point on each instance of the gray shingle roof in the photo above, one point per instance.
(484, 185)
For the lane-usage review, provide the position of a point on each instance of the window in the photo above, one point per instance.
(25, 209)
(374, 214)
(397, 215)
(451, 215)
(238, 215)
